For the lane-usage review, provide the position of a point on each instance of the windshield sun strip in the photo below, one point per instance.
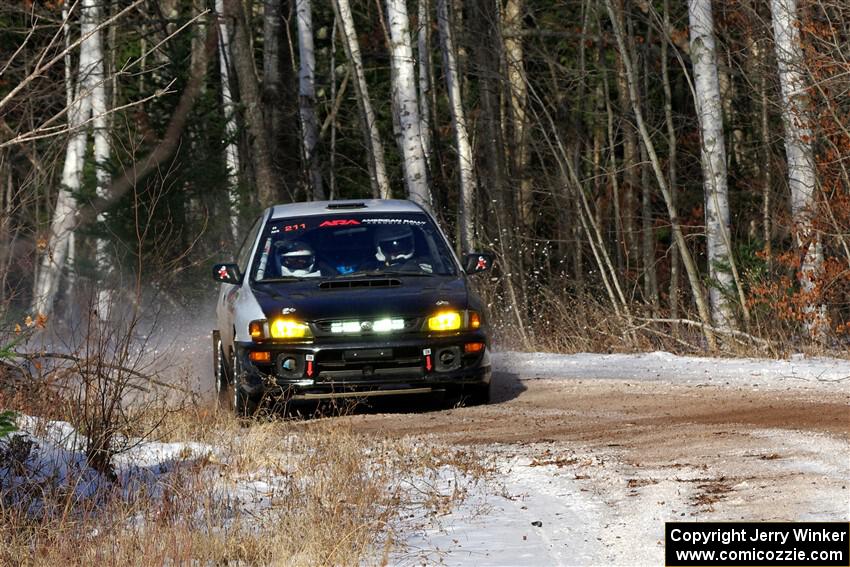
(437, 258)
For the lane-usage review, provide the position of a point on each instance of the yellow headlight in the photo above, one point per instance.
(287, 329)
(445, 321)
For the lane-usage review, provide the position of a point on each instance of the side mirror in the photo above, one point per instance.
(227, 273)
(477, 262)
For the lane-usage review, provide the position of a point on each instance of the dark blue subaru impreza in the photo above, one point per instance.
(340, 299)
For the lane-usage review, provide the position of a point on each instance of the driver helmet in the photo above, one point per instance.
(393, 243)
(297, 259)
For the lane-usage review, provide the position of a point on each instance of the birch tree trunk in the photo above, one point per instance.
(249, 94)
(332, 117)
(101, 160)
(713, 154)
(64, 213)
(802, 178)
(687, 259)
(307, 96)
(407, 105)
(423, 49)
(517, 101)
(464, 149)
(231, 148)
(374, 146)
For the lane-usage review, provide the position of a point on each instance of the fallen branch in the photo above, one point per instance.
(118, 367)
(704, 326)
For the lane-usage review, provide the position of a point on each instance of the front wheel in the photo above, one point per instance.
(242, 404)
(477, 394)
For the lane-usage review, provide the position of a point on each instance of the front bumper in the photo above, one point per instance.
(353, 367)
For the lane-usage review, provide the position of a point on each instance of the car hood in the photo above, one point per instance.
(413, 297)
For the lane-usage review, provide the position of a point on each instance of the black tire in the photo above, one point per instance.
(477, 395)
(242, 404)
(220, 374)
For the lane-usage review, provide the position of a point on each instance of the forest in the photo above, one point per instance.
(649, 174)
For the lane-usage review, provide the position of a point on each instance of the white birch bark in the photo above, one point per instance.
(713, 154)
(407, 105)
(64, 213)
(517, 104)
(69, 79)
(802, 177)
(307, 96)
(464, 149)
(423, 50)
(231, 148)
(97, 78)
(374, 146)
(675, 226)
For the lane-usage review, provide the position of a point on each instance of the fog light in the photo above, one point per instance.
(289, 364)
(470, 348)
(260, 356)
(445, 321)
(287, 329)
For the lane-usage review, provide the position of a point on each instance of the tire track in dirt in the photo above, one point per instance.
(623, 457)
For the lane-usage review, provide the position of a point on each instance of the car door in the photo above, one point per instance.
(229, 293)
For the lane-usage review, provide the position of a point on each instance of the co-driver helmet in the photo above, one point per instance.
(394, 243)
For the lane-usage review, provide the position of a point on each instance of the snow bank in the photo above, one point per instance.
(663, 366)
(50, 455)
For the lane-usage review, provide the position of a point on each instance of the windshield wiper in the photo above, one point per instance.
(358, 274)
(401, 273)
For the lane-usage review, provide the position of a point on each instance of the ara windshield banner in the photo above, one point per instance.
(814, 544)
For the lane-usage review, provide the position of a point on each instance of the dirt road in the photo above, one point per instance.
(601, 464)
(598, 451)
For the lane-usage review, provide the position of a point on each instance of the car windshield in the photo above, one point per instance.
(353, 245)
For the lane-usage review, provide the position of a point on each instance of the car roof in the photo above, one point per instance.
(344, 207)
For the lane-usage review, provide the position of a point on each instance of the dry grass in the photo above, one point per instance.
(275, 493)
(588, 324)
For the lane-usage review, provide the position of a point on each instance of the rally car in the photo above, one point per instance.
(345, 299)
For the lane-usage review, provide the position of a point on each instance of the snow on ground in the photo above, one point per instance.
(663, 366)
(56, 459)
(590, 508)
(576, 505)
(529, 517)
(566, 509)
